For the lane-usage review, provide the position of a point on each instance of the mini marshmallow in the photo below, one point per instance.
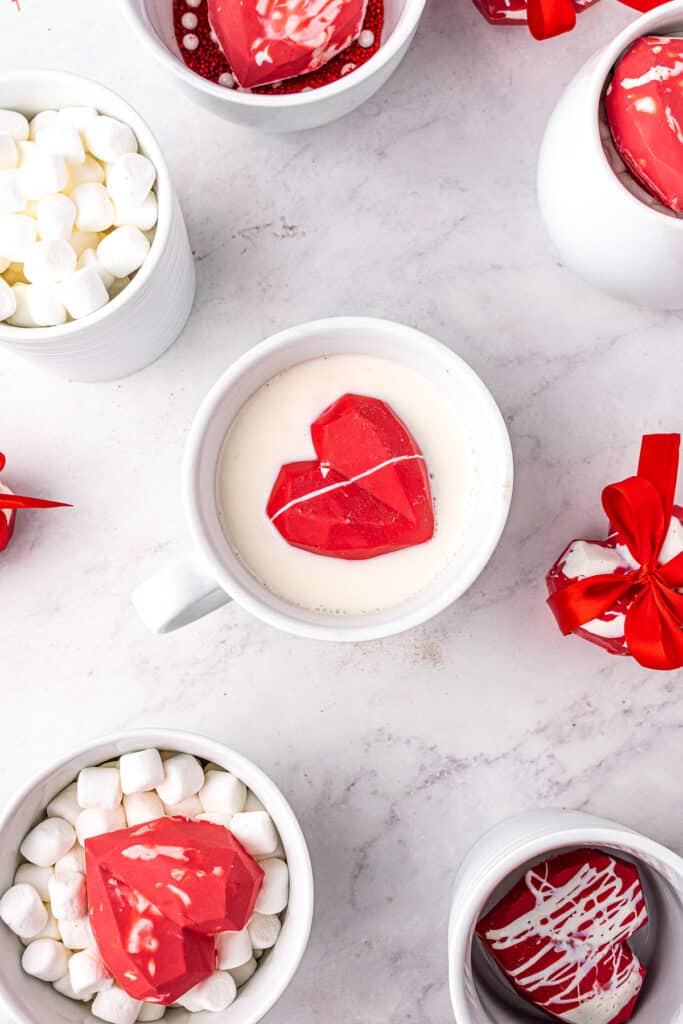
(142, 770)
(22, 316)
(142, 807)
(253, 803)
(90, 170)
(223, 792)
(88, 973)
(63, 140)
(99, 787)
(83, 294)
(56, 216)
(122, 252)
(88, 258)
(116, 1006)
(94, 208)
(39, 878)
(14, 124)
(43, 119)
(67, 895)
(190, 808)
(151, 1011)
(274, 892)
(215, 993)
(242, 974)
(233, 949)
(49, 261)
(24, 150)
(82, 240)
(78, 117)
(17, 235)
(215, 817)
(277, 854)
(255, 831)
(45, 959)
(183, 774)
(94, 821)
(65, 805)
(77, 934)
(42, 174)
(130, 178)
(264, 930)
(8, 302)
(108, 139)
(142, 215)
(45, 306)
(74, 860)
(65, 988)
(12, 199)
(49, 840)
(50, 931)
(22, 911)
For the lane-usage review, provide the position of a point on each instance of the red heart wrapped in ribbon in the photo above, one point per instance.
(648, 589)
(9, 503)
(548, 18)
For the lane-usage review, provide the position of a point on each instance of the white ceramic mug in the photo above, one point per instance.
(215, 574)
(604, 233)
(153, 20)
(137, 326)
(479, 992)
(29, 1001)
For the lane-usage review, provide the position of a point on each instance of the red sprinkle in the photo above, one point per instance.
(209, 61)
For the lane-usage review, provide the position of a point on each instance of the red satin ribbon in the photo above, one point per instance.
(639, 509)
(15, 501)
(549, 18)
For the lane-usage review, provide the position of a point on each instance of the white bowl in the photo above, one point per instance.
(153, 19)
(479, 992)
(184, 592)
(138, 325)
(605, 234)
(29, 1001)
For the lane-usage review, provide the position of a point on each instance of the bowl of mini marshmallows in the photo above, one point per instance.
(152, 874)
(96, 272)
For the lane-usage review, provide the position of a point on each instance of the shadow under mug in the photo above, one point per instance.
(214, 574)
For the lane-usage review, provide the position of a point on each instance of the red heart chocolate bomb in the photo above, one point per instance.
(644, 106)
(272, 40)
(368, 494)
(157, 895)
(561, 937)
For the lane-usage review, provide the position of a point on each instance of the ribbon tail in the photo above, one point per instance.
(584, 600)
(659, 453)
(13, 501)
(549, 18)
(653, 631)
(643, 5)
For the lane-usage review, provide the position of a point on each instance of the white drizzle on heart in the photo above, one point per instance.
(580, 924)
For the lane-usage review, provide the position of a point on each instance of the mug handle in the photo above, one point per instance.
(178, 595)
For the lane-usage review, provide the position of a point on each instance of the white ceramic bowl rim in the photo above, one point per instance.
(148, 142)
(409, 17)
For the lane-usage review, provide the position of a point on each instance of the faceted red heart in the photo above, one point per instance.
(644, 106)
(271, 40)
(561, 936)
(366, 496)
(157, 895)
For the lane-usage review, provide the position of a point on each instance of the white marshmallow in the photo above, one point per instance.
(94, 821)
(142, 807)
(12, 199)
(274, 892)
(56, 216)
(79, 117)
(142, 770)
(63, 140)
(44, 304)
(65, 805)
(22, 911)
(82, 240)
(42, 173)
(116, 1006)
(65, 988)
(88, 258)
(183, 774)
(130, 178)
(90, 170)
(99, 787)
(94, 208)
(83, 294)
(108, 139)
(49, 261)
(215, 817)
(25, 149)
(255, 831)
(242, 974)
(151, 1011)
(43, 119)
(77, 934)
(142, 215)
(14, 124)
(17, 235)
(118, 286)
(264, 930)
(122, 252)
(50, 931)
(189, 808)
(215, 993)
(223, 792)
(67, 895)
(39, 878)
(277, 854)
(49, 840)
(22, 316)
(8, 302)
(74, 860)
(233, 949)
(253, 803)
(45, 959)
(88, 973)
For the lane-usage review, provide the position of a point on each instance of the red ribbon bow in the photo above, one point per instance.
(15, 501)
(553, 17)
(639, 509)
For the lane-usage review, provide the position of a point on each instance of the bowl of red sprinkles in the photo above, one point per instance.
(260, 87)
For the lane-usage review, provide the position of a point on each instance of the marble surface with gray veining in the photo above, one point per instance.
(395, 754)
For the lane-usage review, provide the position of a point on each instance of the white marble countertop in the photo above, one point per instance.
(396, 754)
